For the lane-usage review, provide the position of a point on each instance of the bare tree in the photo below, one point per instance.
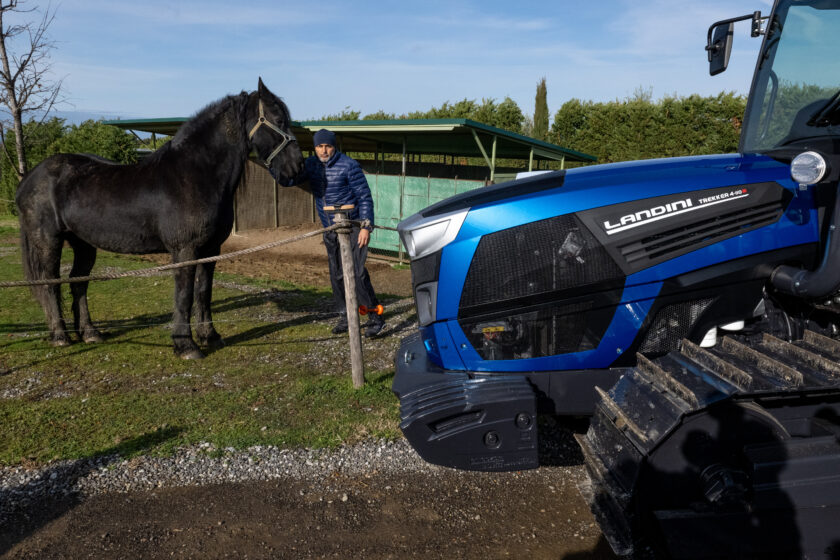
(25, 84)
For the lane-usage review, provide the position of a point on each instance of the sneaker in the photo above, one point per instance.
(340, 327)
(374, 326)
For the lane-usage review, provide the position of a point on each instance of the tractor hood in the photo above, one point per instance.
(510, 204)
(519, 202)
(596, 185)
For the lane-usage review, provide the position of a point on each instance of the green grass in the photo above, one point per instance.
(283, 379)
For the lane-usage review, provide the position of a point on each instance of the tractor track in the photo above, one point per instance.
(681, 445)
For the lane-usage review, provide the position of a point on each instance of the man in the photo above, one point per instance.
(337, 179)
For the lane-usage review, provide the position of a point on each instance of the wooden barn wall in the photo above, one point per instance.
(295, 205)
(255, 208)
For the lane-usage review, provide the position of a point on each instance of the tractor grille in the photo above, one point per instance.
(679, 241)
(536, 258)
(673, 323)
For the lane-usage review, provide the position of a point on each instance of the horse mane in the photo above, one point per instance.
(200, 127)
(197, 125)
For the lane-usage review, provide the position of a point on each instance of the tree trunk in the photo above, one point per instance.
(21, 158)
(9, 81)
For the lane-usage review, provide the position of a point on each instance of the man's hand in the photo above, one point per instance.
(364, 237)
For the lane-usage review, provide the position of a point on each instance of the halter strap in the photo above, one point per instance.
(287, 138)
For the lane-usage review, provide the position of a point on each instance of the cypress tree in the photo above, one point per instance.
(540, 131)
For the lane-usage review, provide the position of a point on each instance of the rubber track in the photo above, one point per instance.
(651, 400)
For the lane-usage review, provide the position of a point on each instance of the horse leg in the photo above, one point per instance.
(42, 260)
(182, 339)
(204, 329)
(84, 257)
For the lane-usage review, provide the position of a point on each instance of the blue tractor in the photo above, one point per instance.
(690, 306)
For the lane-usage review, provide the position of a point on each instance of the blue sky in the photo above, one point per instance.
(152, 58)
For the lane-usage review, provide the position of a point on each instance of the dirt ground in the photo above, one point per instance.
(477, 516)
(305, 261)
(440, 514)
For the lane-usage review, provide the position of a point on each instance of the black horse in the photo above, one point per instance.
(177, 200)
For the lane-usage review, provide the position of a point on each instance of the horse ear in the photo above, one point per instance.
(261, 86)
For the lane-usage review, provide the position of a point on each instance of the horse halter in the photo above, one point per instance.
(287, 138)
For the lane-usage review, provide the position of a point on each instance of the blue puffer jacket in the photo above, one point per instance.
(335, 183)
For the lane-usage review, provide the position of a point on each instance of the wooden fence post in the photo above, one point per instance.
(349, 273)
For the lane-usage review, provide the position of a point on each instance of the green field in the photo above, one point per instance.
(283, 379)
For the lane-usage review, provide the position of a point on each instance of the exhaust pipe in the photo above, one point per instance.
(818, 283)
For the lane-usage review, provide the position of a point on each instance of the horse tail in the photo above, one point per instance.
(30, 202)
(28, 255)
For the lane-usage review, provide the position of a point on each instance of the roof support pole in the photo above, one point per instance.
(531, 160)
(493, 160)
(405, 150)
(135, 135)
(481, 147)
(563, 162)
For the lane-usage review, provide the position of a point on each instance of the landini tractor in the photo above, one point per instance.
(689, 305)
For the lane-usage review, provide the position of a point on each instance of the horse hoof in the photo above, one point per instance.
(192, 355)
(93, 338)
(57, 342)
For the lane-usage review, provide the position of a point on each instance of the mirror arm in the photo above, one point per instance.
(756, 27)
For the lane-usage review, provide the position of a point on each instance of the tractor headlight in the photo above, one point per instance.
(808, 168)
(422, 236)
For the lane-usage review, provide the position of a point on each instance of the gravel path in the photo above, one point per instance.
(376, 499)
(205, 464)
(200, 465)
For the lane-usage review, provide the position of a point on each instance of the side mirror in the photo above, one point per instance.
(719, 47)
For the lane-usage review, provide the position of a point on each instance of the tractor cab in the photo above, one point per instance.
(794, 104)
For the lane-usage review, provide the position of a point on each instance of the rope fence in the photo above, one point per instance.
(166, 267)
(342, 226)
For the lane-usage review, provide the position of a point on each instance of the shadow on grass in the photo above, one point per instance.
(255, 333)
(78, 350)
(26, 508)
(385, 378)
(109, 328)
(285, 302)
(320, 305)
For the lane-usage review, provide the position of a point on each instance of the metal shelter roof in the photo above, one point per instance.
(458, 137)
(454, 137)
